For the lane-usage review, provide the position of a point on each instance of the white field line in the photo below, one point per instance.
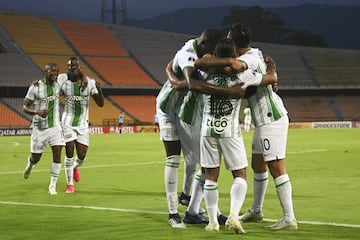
(142, 163)
(95, 166)
(153, 212)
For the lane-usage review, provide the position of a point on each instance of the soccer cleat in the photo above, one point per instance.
(282, 224)
(76, 174)
(175, 221)
(234, 224)
(52, 191)
(251, 216)
(184, 199)
(70, 189)
(195, 219)
(222, 219)
(27, 170)
(212, 227)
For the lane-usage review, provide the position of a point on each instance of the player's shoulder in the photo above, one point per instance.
(62, 77)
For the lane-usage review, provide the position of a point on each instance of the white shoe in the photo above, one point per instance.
(175, 221)
(27, 170)
(282, 224)
(234, 224)
(251, 216)
(212, 227)
(52, 191)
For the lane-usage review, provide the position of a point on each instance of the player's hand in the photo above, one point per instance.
(84, 79)
(98, 86)
(42, 113)
(270, 64)
(275, 87)
(35, 83)
(236, 91)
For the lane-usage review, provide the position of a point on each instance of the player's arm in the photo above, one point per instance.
(28, 110)
(99, 97)
(207, 88)
(174, 80)
(271, 69)
(234, 65)
(271, 75)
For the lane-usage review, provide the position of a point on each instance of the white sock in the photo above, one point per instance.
(171, 182)
(211, 196)
(237, 196)
(54, 173)
(284, 191)
(197, 193)
(69, 170)
(261, 181)
(29, 163)
(78, 162)
(189, 175)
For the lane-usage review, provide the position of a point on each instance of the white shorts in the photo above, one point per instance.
(233, 150)
(270, 139)
(168, 125)
(40, 138)
(80, 135)
(190, 142)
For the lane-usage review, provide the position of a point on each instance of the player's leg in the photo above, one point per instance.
(236, 161)
(172, 146)
(190, 145)
(56, 141)
(81, 144)
(260, 181)
(37, 147)
(274, 155)
(210, 161)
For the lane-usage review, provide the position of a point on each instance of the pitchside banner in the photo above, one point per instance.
(331, 124)
(145, 129)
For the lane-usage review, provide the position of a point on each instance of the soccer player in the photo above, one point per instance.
(177, 136)
(45, 123)
(270, 136)
(220, 117)
(77, 89)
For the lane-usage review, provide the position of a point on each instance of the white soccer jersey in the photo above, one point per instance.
(168, 97)
(45, 96)
(221, 114)
(77, 100)
(266, 106)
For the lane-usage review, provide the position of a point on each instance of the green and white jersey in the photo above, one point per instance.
(191, 106)
(169, 98)
(45, 96)
(221, 114)
(77, 100)
(266, 106)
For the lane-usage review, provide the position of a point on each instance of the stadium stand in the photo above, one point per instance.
(91, 39)
(349, 107)
(151, 49)
(333, 67)
(142, 107)
(9, 118)
(309, 109)
(121, 72)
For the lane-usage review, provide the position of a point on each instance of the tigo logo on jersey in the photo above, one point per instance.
(219, 125)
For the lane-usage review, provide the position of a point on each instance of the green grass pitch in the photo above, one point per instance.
(122, 195)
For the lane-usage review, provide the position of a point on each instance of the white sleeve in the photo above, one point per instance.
(92, 86)
(250, 78)
(62, 78)
(31, 93)
(185, 59)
